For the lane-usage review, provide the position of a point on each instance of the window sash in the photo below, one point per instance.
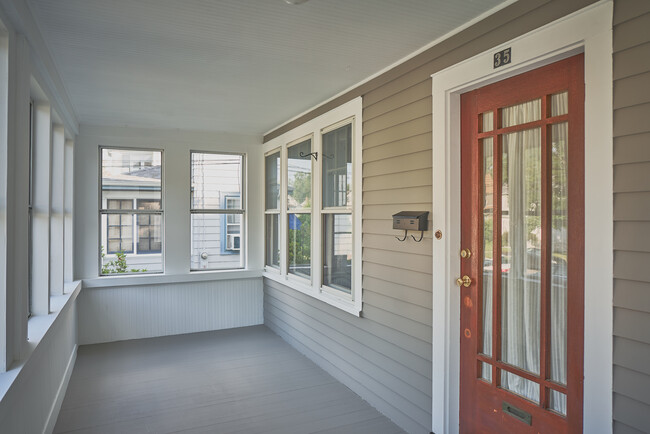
(299, 246)
(227, 230)
(134, 211)
(292, 147)
(222, 207)
(276, 194)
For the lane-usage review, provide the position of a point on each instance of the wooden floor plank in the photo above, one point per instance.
(245, 380)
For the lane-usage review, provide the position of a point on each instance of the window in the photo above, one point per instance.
(30, 207)
(148, 227)
(120, 227)
(272, 213)
(231, 227)
(217, 211)
(299, 168)
(312, 207)
(337, 208)
(131, 211)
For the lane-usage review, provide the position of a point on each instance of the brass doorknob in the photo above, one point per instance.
(464, 281)
(465, 253)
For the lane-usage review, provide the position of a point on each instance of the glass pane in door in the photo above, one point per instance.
(488, 221)
(521, 113)
(521, 236)
(520, 386)
(559, 258)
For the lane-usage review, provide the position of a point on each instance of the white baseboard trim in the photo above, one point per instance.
(60, 394)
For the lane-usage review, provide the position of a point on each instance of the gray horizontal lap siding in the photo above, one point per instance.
(631, 216)
(385, 356)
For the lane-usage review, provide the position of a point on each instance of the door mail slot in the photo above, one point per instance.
(517, 413)
(411, 220)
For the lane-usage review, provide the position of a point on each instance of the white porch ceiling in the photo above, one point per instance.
(241, 66)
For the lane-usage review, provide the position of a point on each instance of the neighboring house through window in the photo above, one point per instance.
(131, 211)
(217, 211)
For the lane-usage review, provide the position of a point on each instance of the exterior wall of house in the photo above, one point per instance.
(385, 356)
(631, 216)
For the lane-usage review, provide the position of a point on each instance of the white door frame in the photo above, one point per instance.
(590, 31)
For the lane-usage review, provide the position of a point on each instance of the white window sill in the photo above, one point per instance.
(37, 327)
(345, 304)
(157, 279)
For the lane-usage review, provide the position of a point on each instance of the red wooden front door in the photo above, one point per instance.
(522, 207)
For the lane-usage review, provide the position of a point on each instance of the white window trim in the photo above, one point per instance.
(352, 111)
(588, 31)
(272, 211)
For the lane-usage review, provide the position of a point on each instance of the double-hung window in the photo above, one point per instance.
(131, 211)
(313, 207)
(272, 176)
(30, 208)
(217, 211)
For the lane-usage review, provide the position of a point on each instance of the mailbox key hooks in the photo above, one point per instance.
(411, 220)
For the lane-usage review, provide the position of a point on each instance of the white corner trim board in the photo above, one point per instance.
(590, 31)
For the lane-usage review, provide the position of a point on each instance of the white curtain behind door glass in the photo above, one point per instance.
(521, 250)
(521, 247)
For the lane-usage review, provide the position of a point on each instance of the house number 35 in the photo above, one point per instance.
(502, 58)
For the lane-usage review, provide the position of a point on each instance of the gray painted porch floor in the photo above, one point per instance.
(245, 380)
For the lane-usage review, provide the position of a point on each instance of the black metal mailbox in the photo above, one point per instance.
(411, 220)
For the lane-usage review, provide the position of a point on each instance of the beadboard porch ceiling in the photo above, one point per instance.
(241, 66)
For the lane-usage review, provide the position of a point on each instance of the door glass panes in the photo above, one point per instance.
(299, 248)
(559, 251)
(487, 122)
(521, 113)
(488, 244)
(272, 184)
(337, 167)
(521, 237)
(520, 386)
(273, 240)
(216, 211)
(557, 402)
(337, 251)
(486, 372)
(559, 104)
(299, 176)
(131, 211)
